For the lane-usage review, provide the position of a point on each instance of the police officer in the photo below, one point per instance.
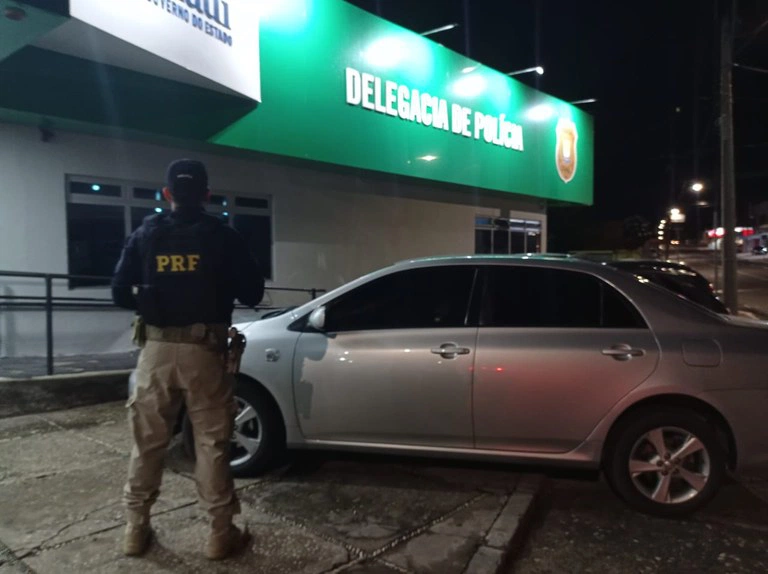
(182, 271)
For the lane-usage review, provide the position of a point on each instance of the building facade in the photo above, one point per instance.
(336, 142)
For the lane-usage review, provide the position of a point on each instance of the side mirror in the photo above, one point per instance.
(317, 319)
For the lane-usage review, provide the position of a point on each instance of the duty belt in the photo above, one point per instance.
(214, 335)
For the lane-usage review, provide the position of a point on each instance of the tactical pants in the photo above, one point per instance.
(167, 374)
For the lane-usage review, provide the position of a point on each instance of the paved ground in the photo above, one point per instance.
(752, 277)
(583, 527)
(61, 475)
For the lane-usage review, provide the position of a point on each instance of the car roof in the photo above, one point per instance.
(648, 262)
(653, 265)
(518, 259)
(620, 278)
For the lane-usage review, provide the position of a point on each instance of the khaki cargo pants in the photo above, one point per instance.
(167, 374)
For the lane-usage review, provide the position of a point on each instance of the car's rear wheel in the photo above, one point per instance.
(666, 462)
(259, 436)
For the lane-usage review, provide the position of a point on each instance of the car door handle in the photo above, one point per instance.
(450, 350)
(623, 352)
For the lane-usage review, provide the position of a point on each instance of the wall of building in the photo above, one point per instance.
(328, 226)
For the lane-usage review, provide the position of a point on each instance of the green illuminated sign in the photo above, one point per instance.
(337, 85)
(343, 86)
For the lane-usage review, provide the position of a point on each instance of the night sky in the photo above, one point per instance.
(652, 65)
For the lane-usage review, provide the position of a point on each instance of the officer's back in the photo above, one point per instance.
(186, 267)
(182, 271)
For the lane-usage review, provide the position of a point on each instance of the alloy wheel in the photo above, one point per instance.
(670, 465)
(246, 437)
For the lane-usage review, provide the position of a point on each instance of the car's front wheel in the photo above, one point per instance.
(259, 436)
(666, 462)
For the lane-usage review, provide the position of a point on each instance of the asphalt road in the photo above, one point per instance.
(752, 278)
(583, 527)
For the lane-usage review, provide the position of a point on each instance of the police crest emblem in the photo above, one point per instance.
(566, 151)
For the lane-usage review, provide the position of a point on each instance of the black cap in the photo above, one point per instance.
(188, 180)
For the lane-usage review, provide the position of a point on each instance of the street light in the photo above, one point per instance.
(538, 69)
(697, 187)
(440, 29)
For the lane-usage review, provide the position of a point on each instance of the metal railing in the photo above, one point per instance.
(49, 303)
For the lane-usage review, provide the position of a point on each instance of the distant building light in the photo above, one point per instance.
(739, 231)
(96, 187)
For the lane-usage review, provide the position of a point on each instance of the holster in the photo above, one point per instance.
(235, 350)
(139, 331)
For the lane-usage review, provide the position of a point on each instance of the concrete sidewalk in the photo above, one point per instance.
(61, 475)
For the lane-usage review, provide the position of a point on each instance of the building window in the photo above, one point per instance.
(257, 232)
(101, 213)
(496, 235)
(95, 237)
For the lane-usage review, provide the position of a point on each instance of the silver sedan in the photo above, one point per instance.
(519, 359)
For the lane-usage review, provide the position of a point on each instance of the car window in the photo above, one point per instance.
(617, 311)
(540, 297)
(431, 297)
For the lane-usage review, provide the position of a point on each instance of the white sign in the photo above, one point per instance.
(676, 216)
(218, 39)
(387, 97)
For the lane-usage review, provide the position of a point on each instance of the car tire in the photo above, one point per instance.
(259, 437)
(661, 483)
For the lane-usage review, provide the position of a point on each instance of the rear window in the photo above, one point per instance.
(541, 297)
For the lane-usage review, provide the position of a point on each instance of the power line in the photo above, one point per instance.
(751, 37)
(751, 68)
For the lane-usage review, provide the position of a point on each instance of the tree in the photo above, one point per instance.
(637, 230)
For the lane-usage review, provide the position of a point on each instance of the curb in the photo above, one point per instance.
(57, 392)
(509, 531)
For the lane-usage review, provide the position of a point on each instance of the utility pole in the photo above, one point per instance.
(727, 166)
